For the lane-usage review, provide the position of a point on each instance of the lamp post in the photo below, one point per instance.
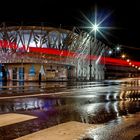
(90, 64)
(95, 28)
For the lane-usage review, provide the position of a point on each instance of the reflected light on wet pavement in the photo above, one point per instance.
(112, 106)
(125, 128)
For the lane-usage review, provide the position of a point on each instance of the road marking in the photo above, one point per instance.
(66, 131)
(12, 118)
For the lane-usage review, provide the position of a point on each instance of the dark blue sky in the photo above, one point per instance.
(124, 16)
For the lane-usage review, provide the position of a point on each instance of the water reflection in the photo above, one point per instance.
(79, 109)
(55, 111)
(94, 104)
(130, 94)
(21, 87)
(3, 84)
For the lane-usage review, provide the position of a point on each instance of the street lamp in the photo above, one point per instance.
(110, 52)
(117, 48)
(95, 28)
(90, 64)
(123, 56)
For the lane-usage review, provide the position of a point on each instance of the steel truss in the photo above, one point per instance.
(16, 41)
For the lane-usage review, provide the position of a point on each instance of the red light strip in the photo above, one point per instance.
(65, 53)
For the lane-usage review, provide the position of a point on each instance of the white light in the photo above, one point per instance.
(96, 23)
(95, 27)
(110, 52)
(118, 48)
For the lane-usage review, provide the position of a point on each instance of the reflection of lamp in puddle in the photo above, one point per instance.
(116, 96)
(108, 96)
(115, 106)
(122, 94)
(107, 107)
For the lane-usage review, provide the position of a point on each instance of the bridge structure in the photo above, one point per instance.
(32, 53)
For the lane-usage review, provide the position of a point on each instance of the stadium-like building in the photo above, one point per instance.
(33, 53)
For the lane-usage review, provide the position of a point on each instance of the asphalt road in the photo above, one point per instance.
(113, 106)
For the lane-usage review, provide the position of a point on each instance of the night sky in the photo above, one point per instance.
(123, 16)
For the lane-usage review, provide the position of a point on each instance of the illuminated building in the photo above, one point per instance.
(33, 53)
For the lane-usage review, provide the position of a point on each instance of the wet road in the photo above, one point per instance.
(113, 105)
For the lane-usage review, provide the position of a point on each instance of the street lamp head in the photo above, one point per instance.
(118, 48)
(97, 22)
(95, 27)
(123, 56)
(110, 52)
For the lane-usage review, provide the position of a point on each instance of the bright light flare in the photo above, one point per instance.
(110, 51)
(95, 27)
(123, 56)
(96, 23)
(118, 48)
